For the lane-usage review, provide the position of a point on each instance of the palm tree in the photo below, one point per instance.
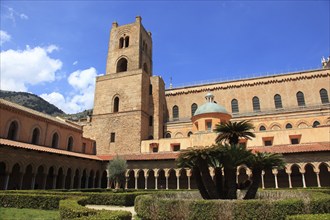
(232, 132)
(259, 162)
(233, 156)
(198, 159)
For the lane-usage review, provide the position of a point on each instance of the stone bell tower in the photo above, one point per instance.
(124, 111)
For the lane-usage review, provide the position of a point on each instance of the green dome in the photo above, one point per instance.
(210, 106)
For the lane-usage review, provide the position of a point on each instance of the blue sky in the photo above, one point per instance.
(55, 49)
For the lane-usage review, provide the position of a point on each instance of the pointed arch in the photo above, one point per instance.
(70, 143)
(12, 133)
(35, 136)
(122, 65)
(324, 96)
(55, 140)
(116, 104)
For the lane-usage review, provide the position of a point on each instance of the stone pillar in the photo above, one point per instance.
(156, 181)
(79, 182)
(145, 180)
(99, 182)
(86, 182)
(72, 181)
(20, 180)
(7, 176)
(303, 179)
(289, 177)
(318, 179)
(44, 181)
(126, 182)
(54, 182)
(177, 174)
(188, 176)
(275, 172)
(63, 181)
(33, 180)
(262, 179)
(136, 181)
(166, 178)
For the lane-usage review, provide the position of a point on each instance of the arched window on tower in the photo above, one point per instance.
(175, 112)
(122, 65)
(300, 99)
(55, 140)
(194, 107)
(315, 124)
(70, 143)
(35, 136)
(256, 104)
(116, 104)
(127, 41)
(13, 131)
(234, 106)
(121, 42)
(324, 96)
(288, 126)
(278, 101)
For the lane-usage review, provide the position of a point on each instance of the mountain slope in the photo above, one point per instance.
(31, 101)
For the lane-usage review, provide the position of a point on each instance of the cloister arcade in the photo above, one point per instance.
(31, 176)
(294, 175)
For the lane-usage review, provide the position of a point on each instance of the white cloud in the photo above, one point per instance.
(83, 82)
(12, 15)
(20, 68)
(4, 37)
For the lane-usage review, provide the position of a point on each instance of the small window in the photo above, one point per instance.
(208, 125)
(300, 99)
(112, 137)
(189, 133)
(55, 140)
(262, 128)
(316, 124)
(116, 104)
(127, 41)
(168, 135)
(175, 112)
(121, 42)
(234, 106)
(151, 121)
(70, 143)
(194, 107)
(268, 143)
(278, 101)
(35, 136)
(83, 148)
(122, 65)
(256, 104)
(13, 131)
(324, 96)
(150, 89)
(294, 141)
(155, 149)
(176, 147)
(288, 126)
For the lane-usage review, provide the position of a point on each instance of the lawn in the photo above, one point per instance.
(14, 213)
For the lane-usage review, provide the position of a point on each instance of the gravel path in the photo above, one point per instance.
(108, 207)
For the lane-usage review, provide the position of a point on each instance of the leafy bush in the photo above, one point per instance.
(309, 217)
(168, 206)
(33, 201)
(70, 209)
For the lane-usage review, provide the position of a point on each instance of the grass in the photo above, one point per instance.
(14, 213)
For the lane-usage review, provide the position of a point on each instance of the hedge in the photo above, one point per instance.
(160, 207)
(309, 217)
(32, 201)
(70, 209)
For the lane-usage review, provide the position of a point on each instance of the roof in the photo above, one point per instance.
(210, 106)
(144, 156)
(294, 148)
(16, 144)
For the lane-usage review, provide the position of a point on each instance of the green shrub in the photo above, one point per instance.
(33, 201)
(320, 203)
(309, 217)
(70, 209)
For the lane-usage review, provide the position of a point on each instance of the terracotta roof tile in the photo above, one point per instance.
(294, 148)
(145, 156)
(17, 144)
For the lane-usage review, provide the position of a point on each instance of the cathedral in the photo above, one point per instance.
(137, 118)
